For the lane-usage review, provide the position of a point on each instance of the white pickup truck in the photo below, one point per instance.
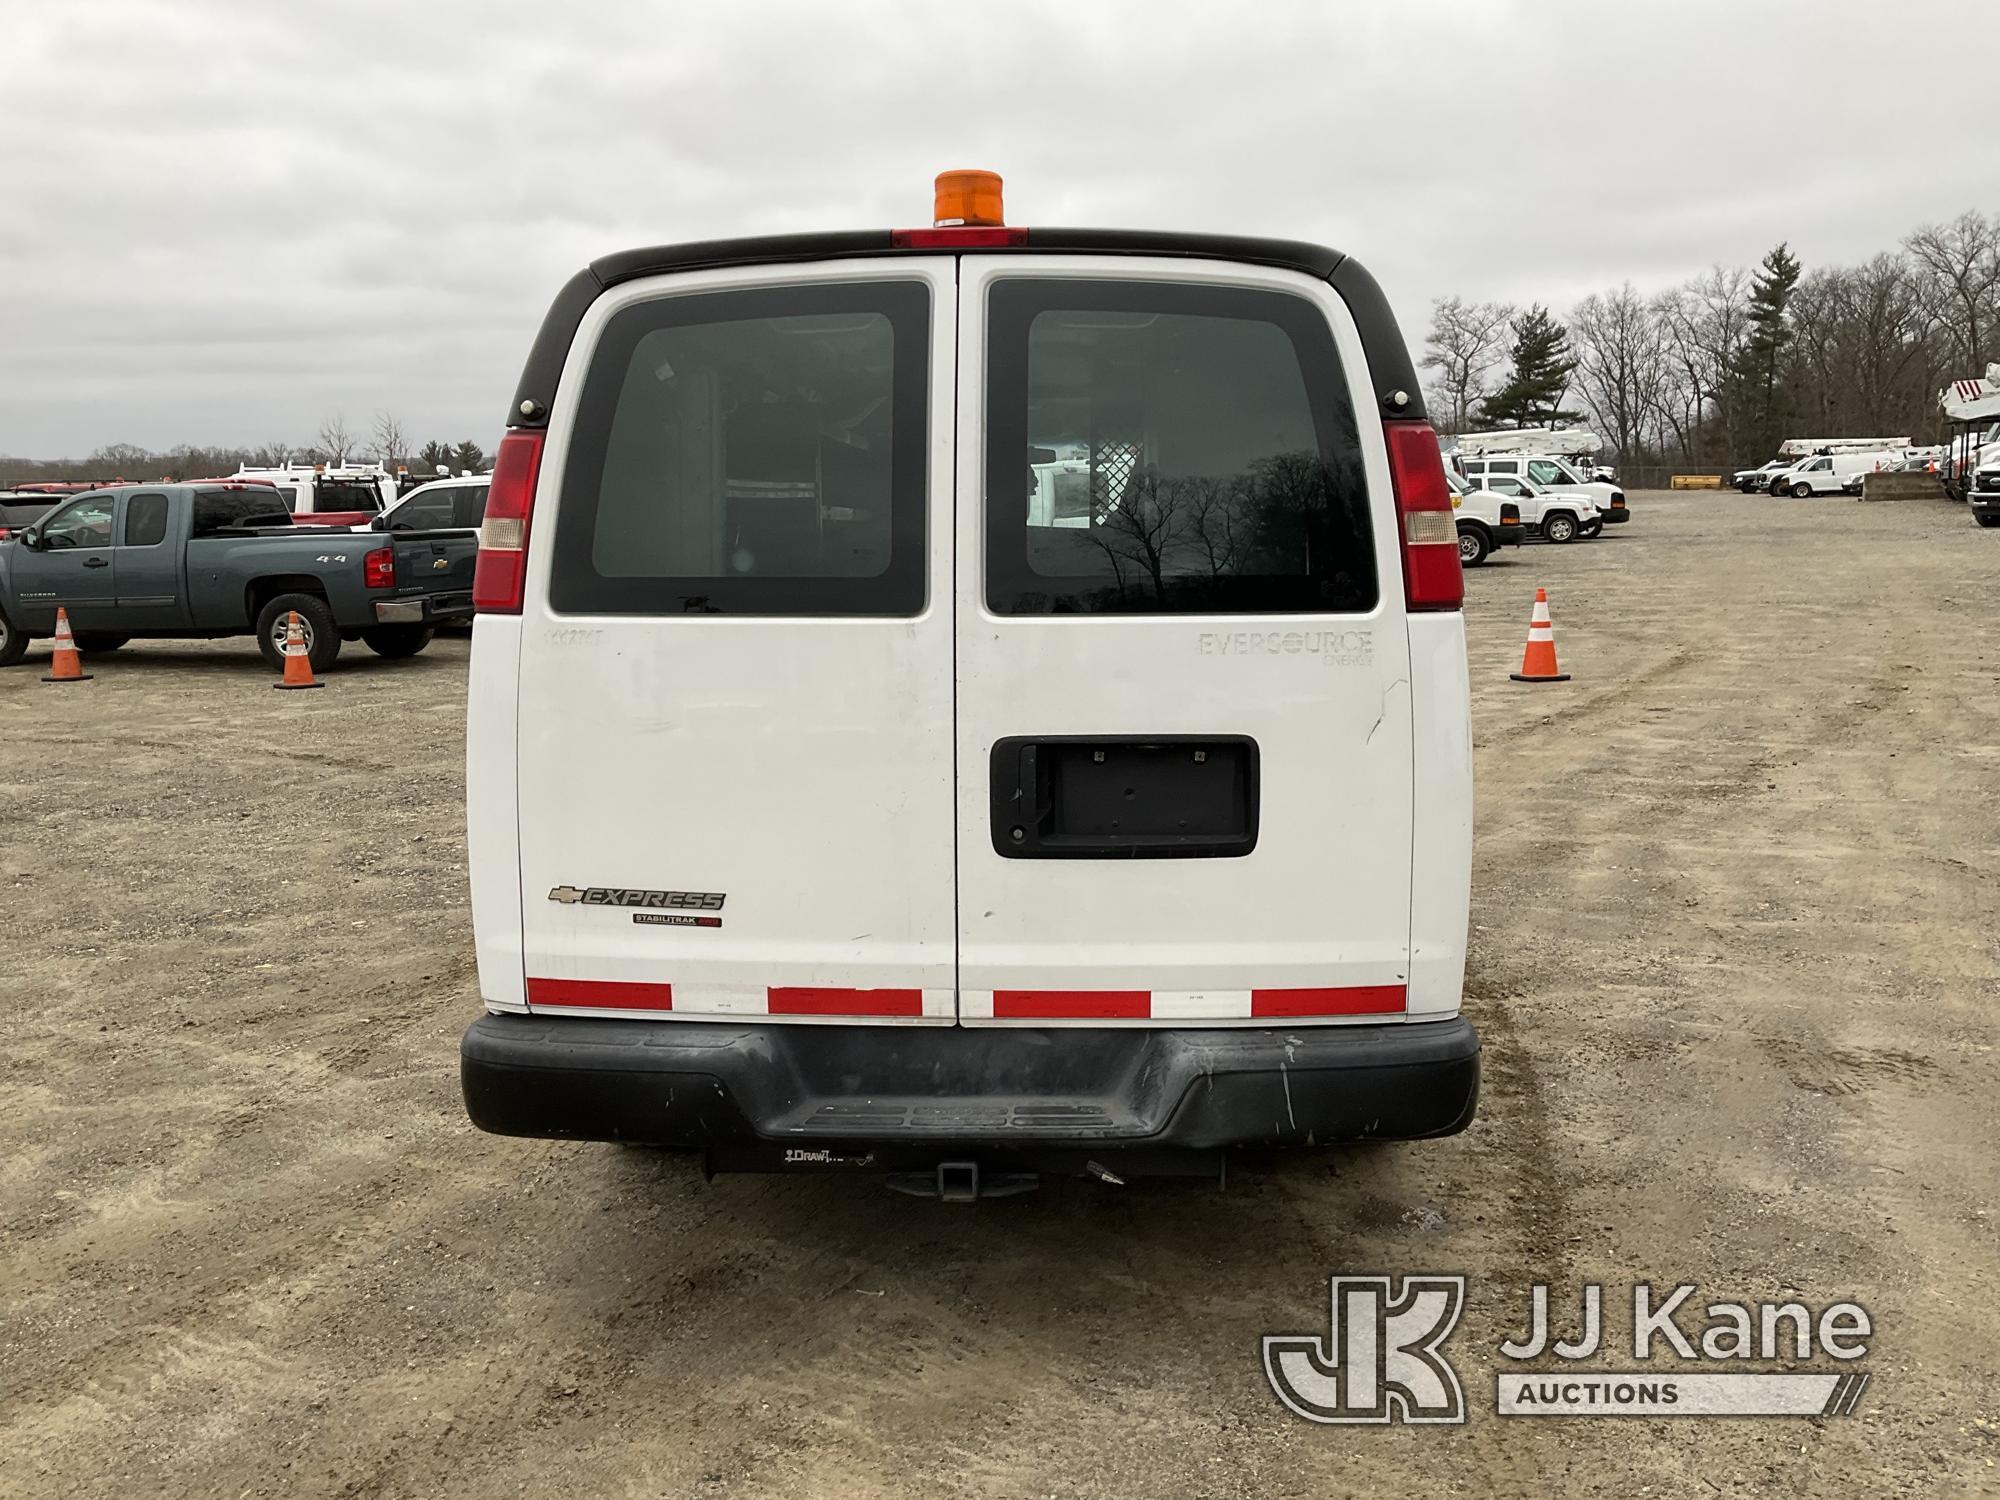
(1555, 515)
(1485, 520)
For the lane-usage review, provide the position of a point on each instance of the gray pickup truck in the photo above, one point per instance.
(208, 560)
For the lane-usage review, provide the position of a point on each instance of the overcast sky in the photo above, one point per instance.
(221, 221)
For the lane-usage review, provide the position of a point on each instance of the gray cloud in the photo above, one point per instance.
(225, 220)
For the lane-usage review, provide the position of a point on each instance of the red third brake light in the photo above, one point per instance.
(500, 579)
(959, 237)
(1432, 578)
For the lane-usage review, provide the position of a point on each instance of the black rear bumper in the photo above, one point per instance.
(900, 1094)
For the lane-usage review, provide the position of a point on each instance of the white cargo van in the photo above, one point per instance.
(1825, 474)
(970, 701)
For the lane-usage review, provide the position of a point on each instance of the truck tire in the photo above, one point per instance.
(396, 641)
(1802, 491)
(1560, 527)
(1985, 518)
(93, 642)
(1472, 546)
(315, 619)
(14, 642)
(1590, 529)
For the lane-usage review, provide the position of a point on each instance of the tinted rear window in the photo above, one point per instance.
(754, 452)
(346, 494)
(1170, 448)
(215, 509)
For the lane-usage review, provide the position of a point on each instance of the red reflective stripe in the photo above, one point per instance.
(1348, 1000)
(601, 994)
(802, 1000)
(1073, 1004)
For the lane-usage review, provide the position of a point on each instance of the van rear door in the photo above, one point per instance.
(734, 743)
(1184, 711)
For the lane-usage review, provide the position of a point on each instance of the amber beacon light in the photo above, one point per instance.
(967, 198)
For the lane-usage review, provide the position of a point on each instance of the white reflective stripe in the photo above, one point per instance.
(721, 999)
(975, 1005)
(1201, 1005)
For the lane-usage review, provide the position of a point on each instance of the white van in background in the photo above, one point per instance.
(1825, 473)
(969, 701)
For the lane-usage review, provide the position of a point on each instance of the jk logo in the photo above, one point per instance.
(1380, 1360)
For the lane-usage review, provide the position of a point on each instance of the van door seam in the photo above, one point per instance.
(953, 518)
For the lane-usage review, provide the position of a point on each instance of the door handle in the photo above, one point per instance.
(97, 562)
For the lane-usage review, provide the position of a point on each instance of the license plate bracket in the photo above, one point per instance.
(1125, 796)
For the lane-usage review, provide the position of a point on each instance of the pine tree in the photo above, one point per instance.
(1532, 396)
(1755, 390)
(468, 458)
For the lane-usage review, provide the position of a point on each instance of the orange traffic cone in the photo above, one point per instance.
(298, 665)
(1538, 662)
(68, 666)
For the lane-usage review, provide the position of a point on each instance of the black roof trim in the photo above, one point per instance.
(1389, 361)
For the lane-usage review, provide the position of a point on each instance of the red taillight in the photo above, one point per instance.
(959, 237)
(378, 568)
(1432, 578)
(500, 579)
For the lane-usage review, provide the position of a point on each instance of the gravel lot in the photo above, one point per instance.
(1733, 958)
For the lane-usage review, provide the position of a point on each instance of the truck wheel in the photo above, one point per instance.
(1560, 527)
(1590, 529)
(395, 641)
(1802, 491)
(1472, 546)
(1986, 518)
(315, 619)
(96, 641)
(14, 641)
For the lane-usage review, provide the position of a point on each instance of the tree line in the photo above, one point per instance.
(385, 443)
(1715, 373)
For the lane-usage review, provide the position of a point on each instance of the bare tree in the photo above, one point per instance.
(1704, 323)
(392, 445)
(1958, 265)
(1684, 392)
(1145, 529)
(1621, 355)
(1466, 341)
(335, 441)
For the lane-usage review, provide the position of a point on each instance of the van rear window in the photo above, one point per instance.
(752, 452)
(1158, 447)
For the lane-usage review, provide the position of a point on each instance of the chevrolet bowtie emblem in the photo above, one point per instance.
(569, 895)
(440, 563)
